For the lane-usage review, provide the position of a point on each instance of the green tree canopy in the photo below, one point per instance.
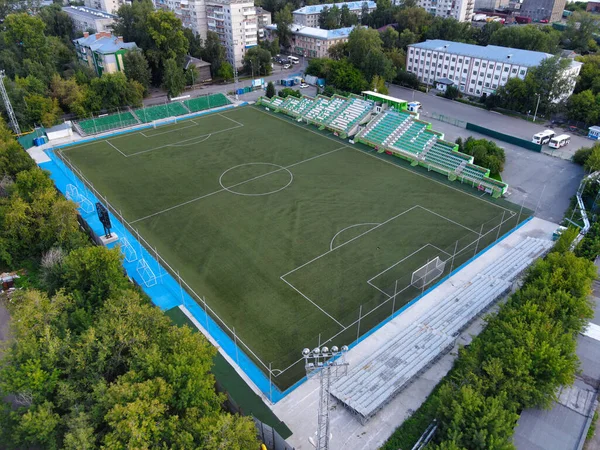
(527, 37)
(283, 19)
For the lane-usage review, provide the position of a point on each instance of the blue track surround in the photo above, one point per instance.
(167, 292)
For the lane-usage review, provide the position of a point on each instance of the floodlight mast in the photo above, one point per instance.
(8, 106)
(327, 363)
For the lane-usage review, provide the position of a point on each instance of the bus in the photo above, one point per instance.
(294, 60)
(543, 137)
(560, 141)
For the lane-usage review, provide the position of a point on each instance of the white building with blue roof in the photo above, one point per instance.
(102, 51)
(309, 15)
(475, 69)
(312, 42)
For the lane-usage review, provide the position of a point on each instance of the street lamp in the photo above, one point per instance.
(327, 364)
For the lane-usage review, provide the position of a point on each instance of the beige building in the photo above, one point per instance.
(538, 10)
(263, 18)
(102, 51)
(235, 21)
(312, 42)
(89, 19)
(309, 15)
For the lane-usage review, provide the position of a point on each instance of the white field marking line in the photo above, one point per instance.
(321, 309)
(166, 132)
(111, 144)
(229, 118)
(388, 162)
(347, 228)
(235, 185)
(181, 143)
(347, 242)
(437, 248)
(396, 263)
(449, 220)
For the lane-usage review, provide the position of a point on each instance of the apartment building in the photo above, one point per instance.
(192, 13)
(89, 19)
(539, 10)
(312, 42)
(102, 51)
(110, 6)
(475, 69)
(461, 10)
(309, 15)
(491, 5)
(263, 18)
(235, 21)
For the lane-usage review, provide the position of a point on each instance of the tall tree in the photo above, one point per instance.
(579, 35)
(168, 41)
(527, 37)
(214, 52)
(283, 19)
(173, 78)
(257, 61)
(136, 69)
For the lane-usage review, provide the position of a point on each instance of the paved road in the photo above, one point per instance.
(158, 97)
(490, 119)
(4, 318)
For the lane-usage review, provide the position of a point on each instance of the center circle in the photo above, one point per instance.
(275, 169)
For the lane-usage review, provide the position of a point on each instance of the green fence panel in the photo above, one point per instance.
(505, 137)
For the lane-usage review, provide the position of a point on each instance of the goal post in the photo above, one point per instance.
(427, 273)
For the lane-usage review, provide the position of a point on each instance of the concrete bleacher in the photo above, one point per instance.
(390, 369)
(352, 114)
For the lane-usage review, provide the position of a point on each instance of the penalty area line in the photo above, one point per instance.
(317, 306)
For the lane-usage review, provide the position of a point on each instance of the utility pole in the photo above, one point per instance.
(536, 106)
(322, 361)
(9, 110)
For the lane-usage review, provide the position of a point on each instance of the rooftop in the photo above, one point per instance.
(90, 13)
(316, 9)
(104, 42)
(317, 33)
(526, 58)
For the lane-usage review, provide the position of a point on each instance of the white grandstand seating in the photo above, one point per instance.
(381, 376)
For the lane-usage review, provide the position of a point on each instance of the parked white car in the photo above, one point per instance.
(304, 85)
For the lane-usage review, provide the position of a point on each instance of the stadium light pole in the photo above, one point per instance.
(327, 364)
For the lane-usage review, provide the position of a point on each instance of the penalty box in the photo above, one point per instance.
(184, 133)
(374, 260)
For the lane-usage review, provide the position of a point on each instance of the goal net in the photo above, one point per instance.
(429, 272)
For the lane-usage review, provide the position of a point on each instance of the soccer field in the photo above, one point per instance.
(291, 235)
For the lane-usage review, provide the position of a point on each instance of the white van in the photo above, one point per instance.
(560, 141)
(543, 137)
(293, 60)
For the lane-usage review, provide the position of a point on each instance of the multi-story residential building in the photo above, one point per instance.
(542, 10)
(236, 23)
(263, 18)
(461, 10)
(312, 42)
(89, 19)
(102, 51)
(110, 6)
(192, 13)
(475, 69)
(309, 15)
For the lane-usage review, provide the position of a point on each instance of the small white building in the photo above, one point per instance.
(309, 15)
(476, 69)
(312, 42)
(441, 84)
(64, 130)
(110, 6)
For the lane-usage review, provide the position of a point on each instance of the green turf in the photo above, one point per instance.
(228, 379)
(342, 227)
(160, 112)
(107, 123)
(206, 102)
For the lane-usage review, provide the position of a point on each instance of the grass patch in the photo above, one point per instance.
(245, 399)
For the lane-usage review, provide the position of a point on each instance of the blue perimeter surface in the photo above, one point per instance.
(167, 292)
